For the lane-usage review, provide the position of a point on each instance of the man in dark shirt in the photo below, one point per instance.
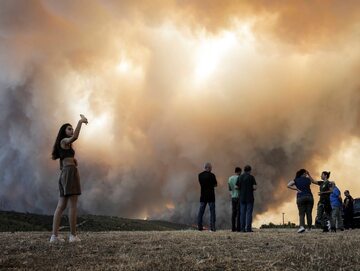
(246, 185)
(348, 210)
(207, 182)
(324, 206)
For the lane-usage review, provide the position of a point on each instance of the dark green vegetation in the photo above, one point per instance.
(13, 221)
(271, 225)
(184, 250)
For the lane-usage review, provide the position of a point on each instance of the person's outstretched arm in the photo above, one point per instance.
(311, 179)
(75, 136)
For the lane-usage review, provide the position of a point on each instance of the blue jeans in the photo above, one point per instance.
(212, 215)
(246, 210)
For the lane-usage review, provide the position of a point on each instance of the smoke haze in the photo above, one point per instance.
(168, 86)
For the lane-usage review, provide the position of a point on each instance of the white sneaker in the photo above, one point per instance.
(74, 238)
(301, 230)
(56, 239)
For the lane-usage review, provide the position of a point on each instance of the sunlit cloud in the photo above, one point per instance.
(123, 67)
(210, 51)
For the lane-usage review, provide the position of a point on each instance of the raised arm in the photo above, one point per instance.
(75, 136)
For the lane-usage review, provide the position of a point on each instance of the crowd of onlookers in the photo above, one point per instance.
(333, 213)
(241, 186)
(330, 209)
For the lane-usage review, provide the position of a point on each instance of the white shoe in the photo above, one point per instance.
(74, 238)
(301, 230)
(56, 239)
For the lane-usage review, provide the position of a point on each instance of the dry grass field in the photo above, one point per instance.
(184, 250)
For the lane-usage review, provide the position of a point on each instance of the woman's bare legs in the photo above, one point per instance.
(58, 213)
(73, 213)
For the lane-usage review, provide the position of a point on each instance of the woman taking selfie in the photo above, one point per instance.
(69, 181)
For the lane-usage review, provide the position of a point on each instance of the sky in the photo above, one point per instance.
(169, 85)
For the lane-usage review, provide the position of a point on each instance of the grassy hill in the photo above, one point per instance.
(14, 221)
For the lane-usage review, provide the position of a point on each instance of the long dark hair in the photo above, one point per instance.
(62, 134)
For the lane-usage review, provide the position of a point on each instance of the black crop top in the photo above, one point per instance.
(65, 153)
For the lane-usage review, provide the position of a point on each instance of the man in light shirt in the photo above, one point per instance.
(234, 192)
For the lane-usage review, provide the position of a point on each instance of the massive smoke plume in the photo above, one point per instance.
(168, 86)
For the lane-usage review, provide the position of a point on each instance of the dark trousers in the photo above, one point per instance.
(336, 221)
(324, 213)
(235, 217)
(348, 219)
(305, 206)
(246, 210)
(212, 215)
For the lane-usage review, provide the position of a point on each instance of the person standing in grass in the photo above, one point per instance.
(69, 181)
(208, 182)
(247, 185)
(235, 204)
(348, 210)
(336, 209)
(324, 205)
(304, 198)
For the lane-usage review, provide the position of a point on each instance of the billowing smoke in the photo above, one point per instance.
(167, 87)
